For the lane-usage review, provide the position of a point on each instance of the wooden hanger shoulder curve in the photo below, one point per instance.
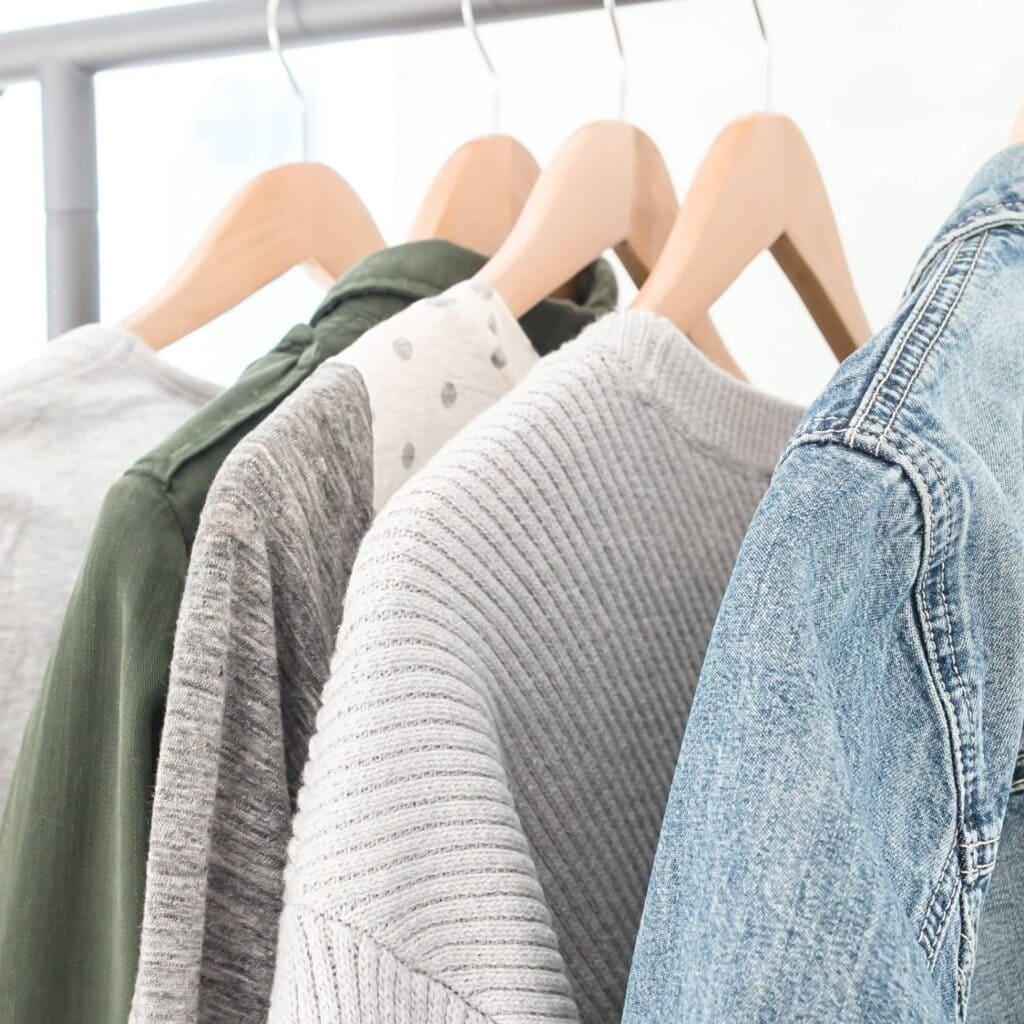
(607, 187)
(1017, 135)
(478, 194)
(758, 188)
(576, 216)
(301, 213)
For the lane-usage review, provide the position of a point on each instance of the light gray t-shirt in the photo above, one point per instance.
(72, 420)
(523, 630)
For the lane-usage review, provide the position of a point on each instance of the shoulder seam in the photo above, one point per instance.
(934, 340)
(159, 490)
(1007, 213)
(910, 349)
(897, 347)
(629, 364)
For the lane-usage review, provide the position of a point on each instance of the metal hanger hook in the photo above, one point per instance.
(274, 39)
(609, 6)
(469, 20)
(767, 55)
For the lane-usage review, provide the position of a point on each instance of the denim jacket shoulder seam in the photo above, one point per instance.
(928, 481)
(921, 467)
(898, 371)
(895, 352)
(937, 335)
(910, 350)
(986, 218)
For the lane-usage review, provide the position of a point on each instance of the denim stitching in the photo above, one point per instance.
(1003, 204)
(945, 701)
(967, 942)
(981, 842)
(956, 701)
(968, 697)
(910, 333)
(965, 796)
(940, 931)
(893, 360)
(906, 461)
(932, 549)
(938, 554)
(815, 426)
(893, 356)
(937, 336)
(815, 431)
(961, 231)
(835, 421)
(937, 889)
(971, 875)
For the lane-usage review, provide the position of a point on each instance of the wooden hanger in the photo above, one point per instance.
(478, 194)
(606, 188)
(758, 188)
(481, 189)
(301, 213)
(1017, 135)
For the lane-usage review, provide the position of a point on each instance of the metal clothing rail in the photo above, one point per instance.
(64, 58)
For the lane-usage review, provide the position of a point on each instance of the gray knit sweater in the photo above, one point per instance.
(523, 631)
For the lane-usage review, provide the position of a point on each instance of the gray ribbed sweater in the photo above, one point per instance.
(523, 631)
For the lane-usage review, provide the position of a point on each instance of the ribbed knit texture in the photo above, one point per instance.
(523, 630)
(272, 557)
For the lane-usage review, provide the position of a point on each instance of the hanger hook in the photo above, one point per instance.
(274, 39)
(609, 6)
(469, 20)
(767, 55)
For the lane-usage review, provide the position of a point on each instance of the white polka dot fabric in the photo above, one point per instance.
(432, 369)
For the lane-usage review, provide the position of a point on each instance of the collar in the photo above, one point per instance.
(420, 270)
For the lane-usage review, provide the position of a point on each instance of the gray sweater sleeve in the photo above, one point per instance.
(255, 632)
(522, 635)
(414, 895)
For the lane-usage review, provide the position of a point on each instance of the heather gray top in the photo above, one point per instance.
(258, 617)
(258, 622)
(523, 630)
(71, 421)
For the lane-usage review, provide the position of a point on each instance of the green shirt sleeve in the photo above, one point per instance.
(74, 834)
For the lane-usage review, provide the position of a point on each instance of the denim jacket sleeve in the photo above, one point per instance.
(838, 804)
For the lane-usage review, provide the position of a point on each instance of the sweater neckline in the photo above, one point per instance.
(707, 403)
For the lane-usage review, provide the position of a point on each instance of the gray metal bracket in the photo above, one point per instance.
(71, 196)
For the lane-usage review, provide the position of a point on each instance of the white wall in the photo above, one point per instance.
(901, 101)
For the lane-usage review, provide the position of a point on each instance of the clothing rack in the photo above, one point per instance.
(64, 59)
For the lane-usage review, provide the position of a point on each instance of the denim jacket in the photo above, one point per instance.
(840, 801)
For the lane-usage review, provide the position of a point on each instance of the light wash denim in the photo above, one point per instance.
(838, 805)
